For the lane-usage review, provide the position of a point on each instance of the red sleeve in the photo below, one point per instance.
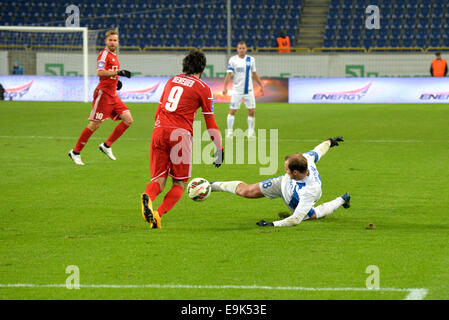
(207, 107)
(101, 60)
(207, 101)
(213, 130)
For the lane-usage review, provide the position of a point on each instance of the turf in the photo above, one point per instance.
(55, 214)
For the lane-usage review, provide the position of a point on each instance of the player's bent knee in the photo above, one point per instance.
(127, 118)
(128, 121)
(161, 182)
(181, 183)
(94, 125)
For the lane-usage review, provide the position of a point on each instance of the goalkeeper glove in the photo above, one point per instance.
(119, 85)
(263, 223)
(334, 141)
(124, 73)
(220, 156)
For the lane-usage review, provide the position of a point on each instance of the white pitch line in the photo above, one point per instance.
(65, 138)
(417, 294)
(413, 293)
(293, 140)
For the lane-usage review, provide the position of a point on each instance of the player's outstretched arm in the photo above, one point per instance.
(124, 73)
(321, 149)
(335, 141)
(263, 223)
(291, 221)
(305, 204)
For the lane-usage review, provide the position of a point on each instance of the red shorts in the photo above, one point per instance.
(171, 153)
(106, 106)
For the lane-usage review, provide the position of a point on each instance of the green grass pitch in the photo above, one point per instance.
(394, 163)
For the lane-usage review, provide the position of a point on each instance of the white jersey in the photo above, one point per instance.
(243, 69)
(301, 195)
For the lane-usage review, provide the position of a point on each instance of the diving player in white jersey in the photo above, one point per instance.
(300, 187)
(244, 69)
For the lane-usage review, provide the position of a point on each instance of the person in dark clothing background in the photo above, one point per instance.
(17, 68)
(2, 92)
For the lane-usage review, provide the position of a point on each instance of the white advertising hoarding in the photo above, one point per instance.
(70, 88)
(368, 90)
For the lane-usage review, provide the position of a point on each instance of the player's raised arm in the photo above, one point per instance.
(321, 149)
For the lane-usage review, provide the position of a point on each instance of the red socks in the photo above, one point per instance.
(153, 189)
(118, 131)
(170, 199)
(85, 135)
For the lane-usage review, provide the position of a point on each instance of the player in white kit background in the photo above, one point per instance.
(243, 67)
(299, 187)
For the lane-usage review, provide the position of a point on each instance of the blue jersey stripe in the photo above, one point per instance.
(248, 68)
(295, 196)
(313, 154)
(294, 201)
(311, 213)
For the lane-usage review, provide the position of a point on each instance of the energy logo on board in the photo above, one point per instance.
(352, 95)
(17, 92)
(435, 96)
(139, 95)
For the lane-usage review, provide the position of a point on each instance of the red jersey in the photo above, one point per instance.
(108, 61)
(182, 96)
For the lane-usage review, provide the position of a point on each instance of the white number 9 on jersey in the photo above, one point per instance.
(173, 98)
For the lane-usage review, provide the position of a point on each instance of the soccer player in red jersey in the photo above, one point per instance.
(171, 142)
(106, 103)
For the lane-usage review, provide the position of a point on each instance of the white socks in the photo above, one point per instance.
(225, 186)
(230, 124)
(251, 125)
(327, 208)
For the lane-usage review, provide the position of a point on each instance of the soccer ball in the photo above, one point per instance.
(198, 189)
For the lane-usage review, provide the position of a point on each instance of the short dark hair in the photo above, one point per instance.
(241, 42)
(438, 54)
(297, 161)
(194, 62)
